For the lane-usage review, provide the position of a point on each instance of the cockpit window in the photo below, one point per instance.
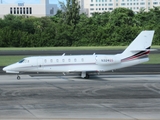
(21, 61)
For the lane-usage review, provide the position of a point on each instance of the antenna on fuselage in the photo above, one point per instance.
(63, 54)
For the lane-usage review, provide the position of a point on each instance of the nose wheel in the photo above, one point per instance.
(18, 77)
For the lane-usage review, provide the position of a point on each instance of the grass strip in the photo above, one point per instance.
(6, 60)
(153, 59)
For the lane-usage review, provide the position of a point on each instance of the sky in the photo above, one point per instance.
(30, 1)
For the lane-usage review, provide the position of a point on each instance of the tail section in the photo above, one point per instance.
(140, 47)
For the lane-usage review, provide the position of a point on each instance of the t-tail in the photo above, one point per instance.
(139, 48)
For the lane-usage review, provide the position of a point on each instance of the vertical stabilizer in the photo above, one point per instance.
(141, 43)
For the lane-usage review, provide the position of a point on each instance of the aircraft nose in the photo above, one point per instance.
(5, 68)
(10, 69)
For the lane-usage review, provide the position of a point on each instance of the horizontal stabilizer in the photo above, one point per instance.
(144, 50)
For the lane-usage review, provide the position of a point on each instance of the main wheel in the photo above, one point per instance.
(87, 76)
(18, 77)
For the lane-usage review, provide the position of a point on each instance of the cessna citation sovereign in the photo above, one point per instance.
(136, 53)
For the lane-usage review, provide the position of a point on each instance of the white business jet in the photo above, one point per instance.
(136, 53)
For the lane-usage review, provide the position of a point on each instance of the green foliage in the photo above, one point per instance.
(69, 28)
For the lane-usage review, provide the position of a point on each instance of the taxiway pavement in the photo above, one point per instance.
(132, 97)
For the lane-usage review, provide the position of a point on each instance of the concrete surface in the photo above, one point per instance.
(109, 97)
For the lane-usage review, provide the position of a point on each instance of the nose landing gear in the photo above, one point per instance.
(18, 77)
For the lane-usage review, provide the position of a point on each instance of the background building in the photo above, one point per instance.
(37, 10)
(91, 6)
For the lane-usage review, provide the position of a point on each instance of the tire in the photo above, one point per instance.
(18, 77)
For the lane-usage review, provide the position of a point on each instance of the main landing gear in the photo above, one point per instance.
(85, 75)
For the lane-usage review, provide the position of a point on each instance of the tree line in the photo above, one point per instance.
(69, 28)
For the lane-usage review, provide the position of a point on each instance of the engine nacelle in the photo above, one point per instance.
(107, 59)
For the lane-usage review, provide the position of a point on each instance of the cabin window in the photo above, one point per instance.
(45, 60)
(69, 60)
(82, 60)
(51, 60)
(57, 60)
(63, 60)
(75, 60)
